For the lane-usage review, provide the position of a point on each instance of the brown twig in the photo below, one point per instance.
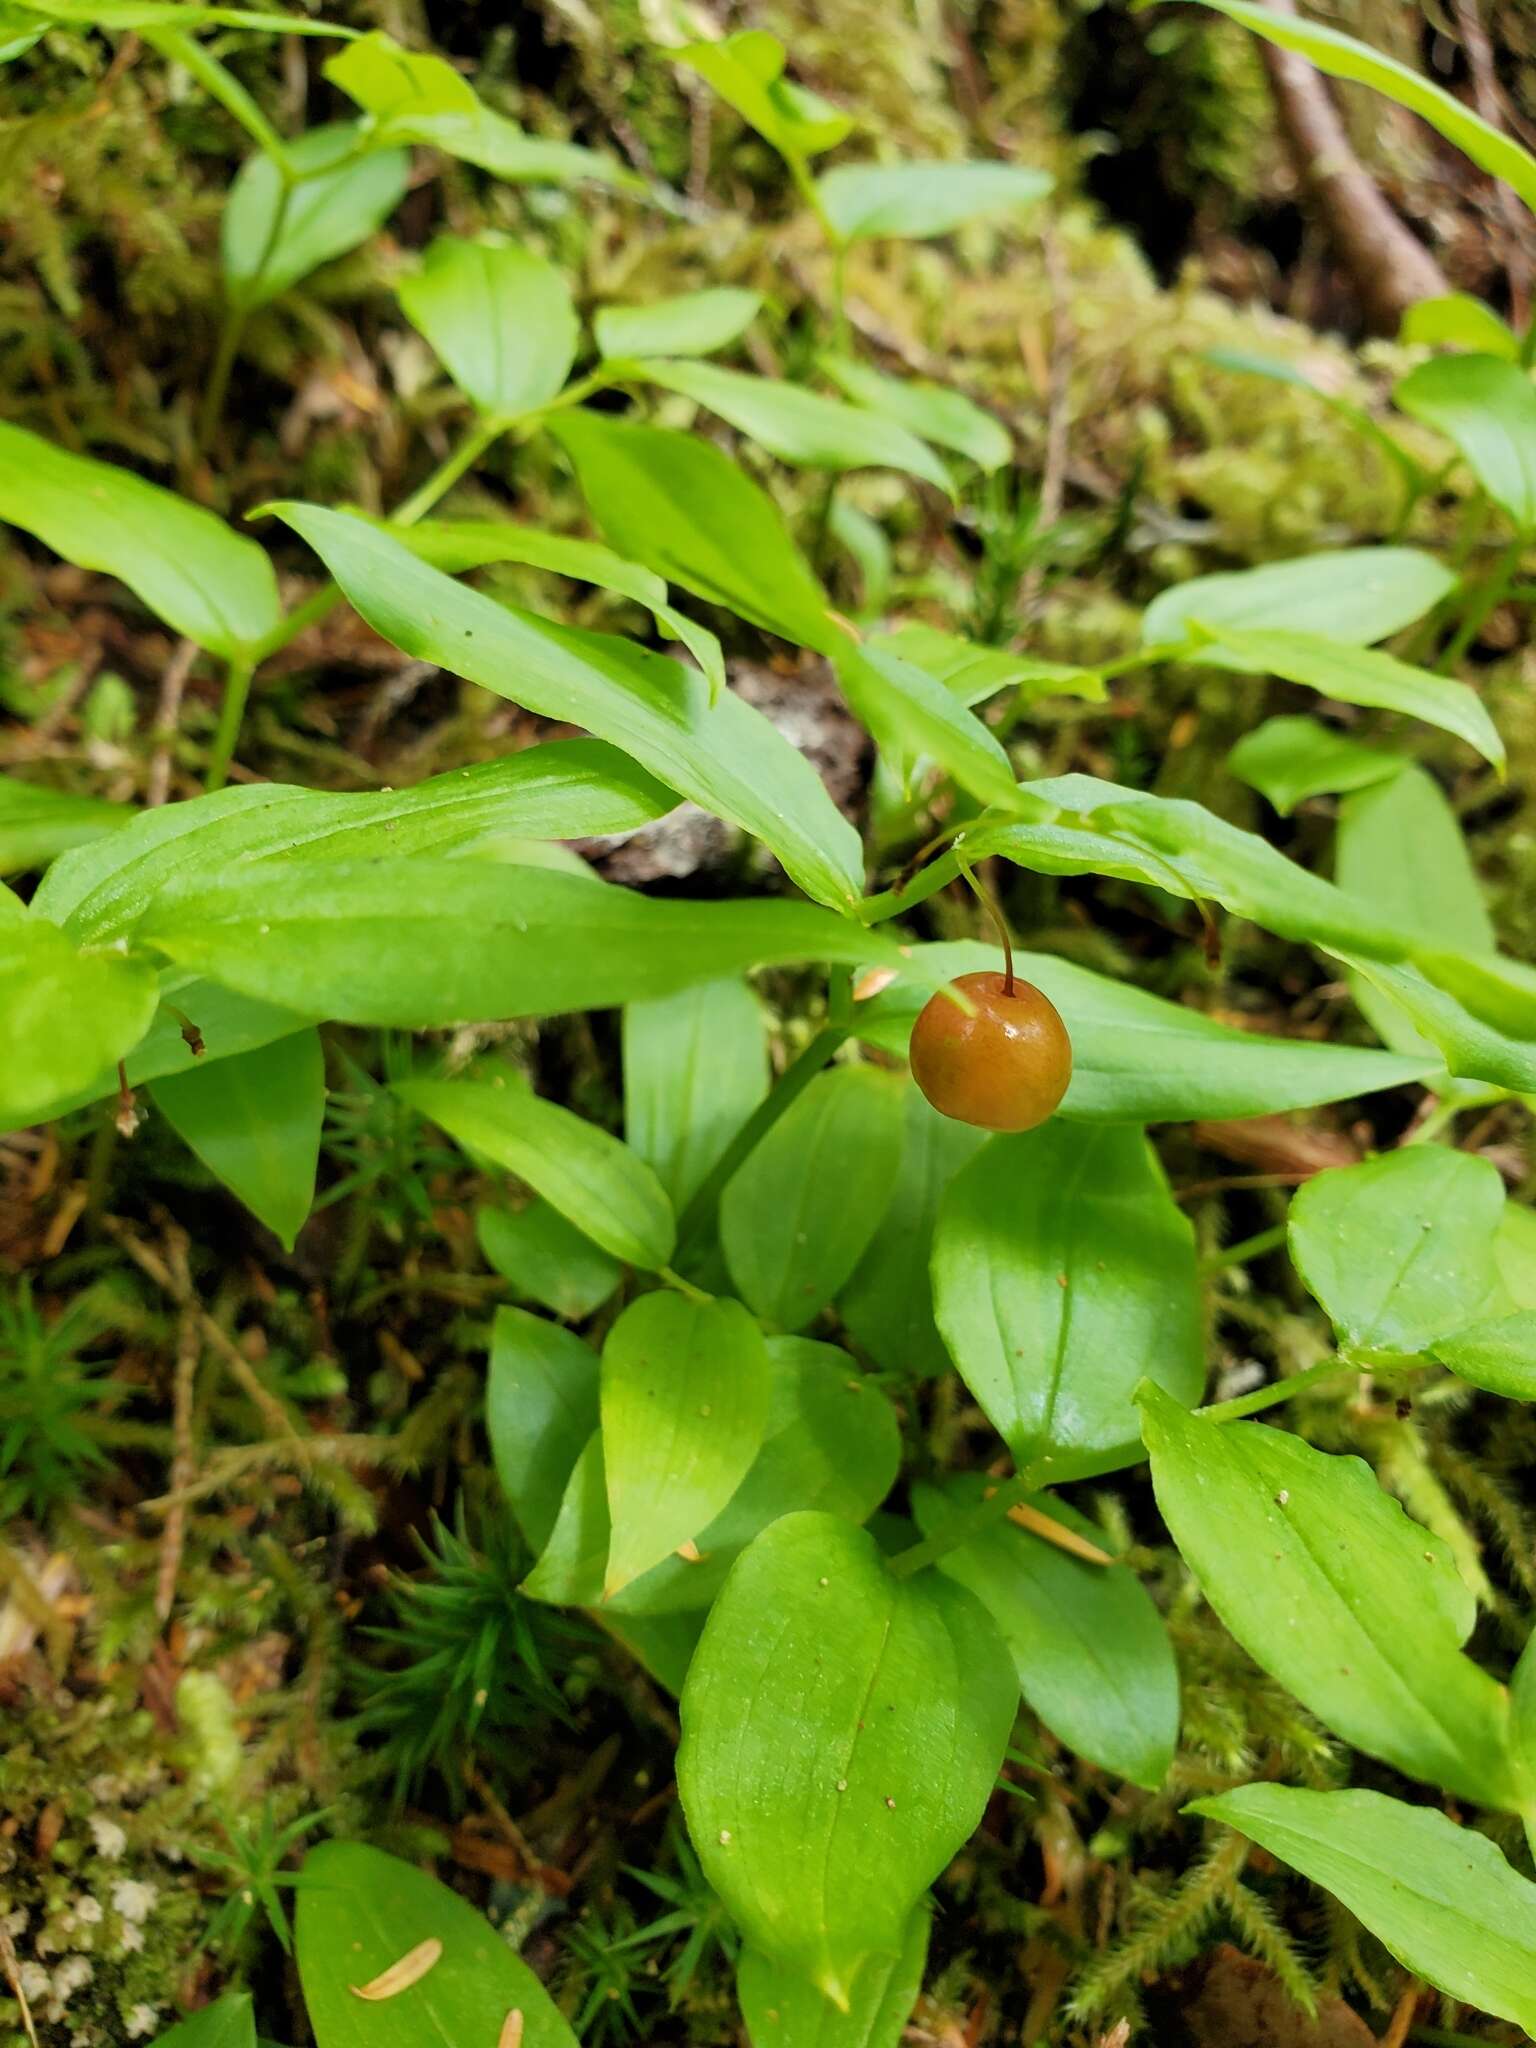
(1491, 105)
(188, 1351)
(173, 684)
(1387, 264)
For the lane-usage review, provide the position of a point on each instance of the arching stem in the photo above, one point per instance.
(990, 904)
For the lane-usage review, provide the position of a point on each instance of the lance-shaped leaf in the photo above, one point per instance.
(695, 1068)
(783, 2009)
(1487, 409)
(361, 1913)
(429, 942)
(1063, 1273)
(684, 1405)
(1092, 1654)
(917, 200)
(725, 755)
(797, 1214)
(1456, 320)
(681, 506)
(38, 823)
(458, 544)
(911, 713)
(1326, 1582)
(540, 1411)
(500, 317)
(546, 1259)
(411, 97)
(1399, 1250)
(254, 1121)
(213, 585)
(271, 235)
(799, 426)
(564, 789)
(1490, 148)
(842, 1731)
(887, 1304)
(1440, 1897)
(1356, 595)
(69, 1014)
(1362, 675)
(692, 324)
(973, 673)
(931, 411)
(594, 1181)
(747, 70)
(1291, 759)
(830, 1442)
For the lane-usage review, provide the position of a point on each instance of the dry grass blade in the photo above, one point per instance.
(400, 1976)
(1025, 1517)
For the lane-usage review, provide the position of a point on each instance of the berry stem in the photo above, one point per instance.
(989, 903)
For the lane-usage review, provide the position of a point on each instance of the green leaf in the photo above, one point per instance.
(931, 411)
(1410, 1013)
(1340, 56)
(912, 713)
(68, 1015)
(1357, 595)
(747, 71)
(429, 942)
(1326, 1582)
(725, 755)
(1487, 409)
(456, 544)
(830, 1442)
(695, 1068)
(540, 1410)
(783, 2009)
(1498, 1353)
(801, 427)
(500, 318)
(797, 1214)
(1138, 1058)
(415, 98)
(825, 1793)
(135, 14)
(1399, 1250)
(564, 789)
(975, 673)
(1400, 847)
(681, 506)
(228, 2023)
(1093, 1657)
(692, 324)
(38, 823)
(1361, 675)
(1064, 1273)
(1291, 759)
(1514, 1251)
(213, 585)
(347, 191)
(1457, 320)
(547, 1260)
(595, 1182)
(917, 200)
(887, 1304)
(360, 1912)
(684, 1406)
(254, 1121)
(1441, 1898)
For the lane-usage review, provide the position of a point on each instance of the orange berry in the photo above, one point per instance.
(1003, 1068)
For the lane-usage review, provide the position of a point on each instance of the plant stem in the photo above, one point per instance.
(237, 688)
(1284, 1390)
(989, 903)
(959, 1531)
(1249, 1248)
(231, 334)
(447, 473)
(222, 85)
(1490, 594)
(791, 1084)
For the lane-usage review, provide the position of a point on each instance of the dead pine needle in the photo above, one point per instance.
(512, 2029)
(400, 1976)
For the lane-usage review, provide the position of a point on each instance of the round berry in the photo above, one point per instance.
(1005, 1067)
